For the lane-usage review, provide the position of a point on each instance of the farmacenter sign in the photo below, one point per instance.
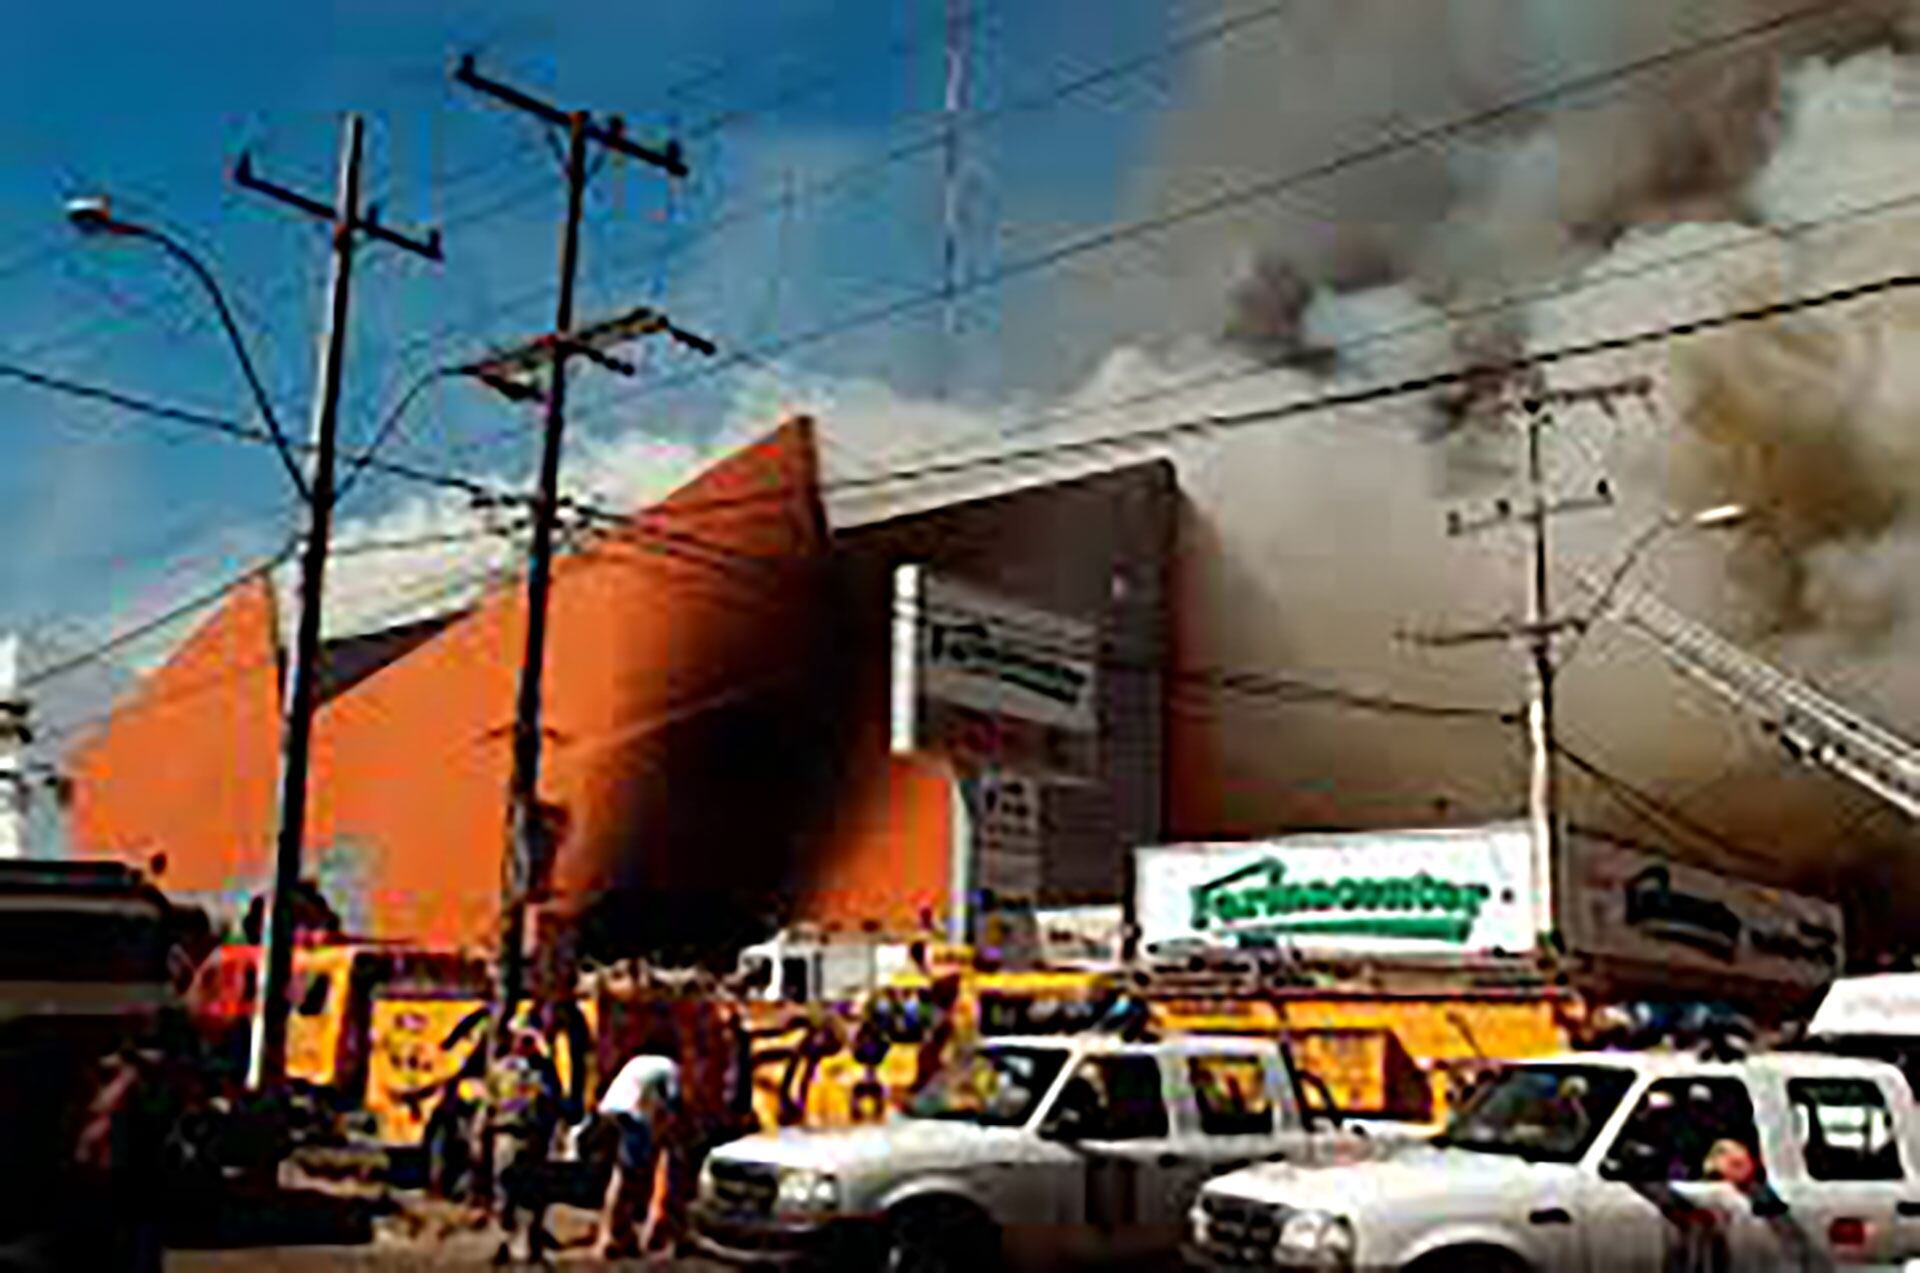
(1442, 892)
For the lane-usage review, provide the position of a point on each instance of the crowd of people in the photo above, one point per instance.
(677, 1079)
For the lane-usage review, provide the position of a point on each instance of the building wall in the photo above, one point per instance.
(671, 644)
(715, 716)
(1096, 549)
(188, 765)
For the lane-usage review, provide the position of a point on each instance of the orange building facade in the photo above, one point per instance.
(714, 714)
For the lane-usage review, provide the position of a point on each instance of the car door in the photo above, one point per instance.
(1231, 1107)
(1130, 1159)
(1652, 1205)
(1852, 1195)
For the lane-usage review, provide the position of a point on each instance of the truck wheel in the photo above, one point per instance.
(1469, 1259)
(940, 1236)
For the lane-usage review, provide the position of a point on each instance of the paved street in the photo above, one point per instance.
(344, 1224)
(460, 1255)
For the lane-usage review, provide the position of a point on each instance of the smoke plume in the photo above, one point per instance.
(1736, 176)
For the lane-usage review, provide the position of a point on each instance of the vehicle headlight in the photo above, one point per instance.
(1197, 1225)
(803, 1190)
(705, 1187)
(1315, 1238)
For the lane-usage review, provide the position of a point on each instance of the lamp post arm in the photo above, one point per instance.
(280, 442)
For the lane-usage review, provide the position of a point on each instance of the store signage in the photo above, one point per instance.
(1449, 892)
(1007, 834)
(995, 656)
(1632, 905)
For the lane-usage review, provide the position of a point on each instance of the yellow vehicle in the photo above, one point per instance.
(374, 1029)
(1399, 1053)
(805, 1070)
(331, 998)
(1402, 1055)
(422, 1043)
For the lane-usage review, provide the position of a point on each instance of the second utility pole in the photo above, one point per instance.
(1539, 630)
(267, 1058)
(524, 822)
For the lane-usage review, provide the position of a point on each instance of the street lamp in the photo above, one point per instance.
(1718, 517)
(93, 216)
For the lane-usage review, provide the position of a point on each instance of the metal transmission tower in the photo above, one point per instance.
(1535, 510)
(515, 374)
(347, 222)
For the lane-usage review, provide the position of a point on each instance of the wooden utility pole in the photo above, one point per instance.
(1540, 628)
(267, 1059)
(525, 840)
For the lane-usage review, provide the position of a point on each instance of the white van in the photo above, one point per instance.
(1876, 1016)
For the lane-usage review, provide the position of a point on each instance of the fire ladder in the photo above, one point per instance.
(1813, 728)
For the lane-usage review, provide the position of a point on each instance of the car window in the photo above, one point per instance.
(1231, 1095)
(1674, 1130)
(1119, 1098)
(994, 1086)
(793, 979)
(1845, 1129)
(1546, 1113)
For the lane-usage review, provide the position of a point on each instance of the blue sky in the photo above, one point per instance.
(152, 103)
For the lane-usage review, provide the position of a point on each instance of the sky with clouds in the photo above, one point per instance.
(811, 129)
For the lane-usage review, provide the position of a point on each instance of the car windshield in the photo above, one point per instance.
(995, 1087)
(1547, 1113)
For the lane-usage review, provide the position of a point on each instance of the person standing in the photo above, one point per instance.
(871, 1041)
(523, 1107)
(642, 1101)
(942, 1029)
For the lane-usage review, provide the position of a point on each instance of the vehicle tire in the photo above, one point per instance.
(1469, 1259)
(940, 1235)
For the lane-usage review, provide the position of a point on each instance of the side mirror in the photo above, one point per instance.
(1066, 1126)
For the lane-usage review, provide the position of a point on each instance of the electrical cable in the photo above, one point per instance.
(1655, 809)
(1259, 191)
(1168, 432)
(167, 618)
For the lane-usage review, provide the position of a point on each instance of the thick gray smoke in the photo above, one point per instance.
(1759, 171)
(1725, 180)
(1739, 177)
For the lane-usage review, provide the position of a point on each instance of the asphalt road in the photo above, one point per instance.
(315, 1259)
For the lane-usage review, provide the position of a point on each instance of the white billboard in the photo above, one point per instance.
(1637, 906)
(1002, 658)
(1380, 894)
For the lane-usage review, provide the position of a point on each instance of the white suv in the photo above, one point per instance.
(1045, 1150)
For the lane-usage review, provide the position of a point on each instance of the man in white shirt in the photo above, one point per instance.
(641, 1101)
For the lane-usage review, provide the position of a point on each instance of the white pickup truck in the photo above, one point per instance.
(1044, 1150)
(1602, 1162)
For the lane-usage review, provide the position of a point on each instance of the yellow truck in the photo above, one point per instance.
(375, 1030)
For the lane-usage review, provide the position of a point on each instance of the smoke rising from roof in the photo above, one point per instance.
(1734, 178)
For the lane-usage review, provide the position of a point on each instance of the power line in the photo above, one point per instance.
(1314, 404)
(850, 174)
(167, 618)
(225, 676)
(1172, 431)
(1259, 191)
(1655, 810)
